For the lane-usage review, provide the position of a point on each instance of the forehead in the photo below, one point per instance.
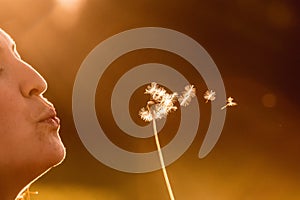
(5, 39)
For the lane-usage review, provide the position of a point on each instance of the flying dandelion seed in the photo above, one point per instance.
(229, 103)
(209, 95)
(187, 95)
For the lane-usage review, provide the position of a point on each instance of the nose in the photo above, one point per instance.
(31, 82)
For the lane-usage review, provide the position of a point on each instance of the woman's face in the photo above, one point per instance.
(29, 140)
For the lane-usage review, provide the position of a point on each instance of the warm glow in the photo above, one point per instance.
(66, 13)
(71, 5)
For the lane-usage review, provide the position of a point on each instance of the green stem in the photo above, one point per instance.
(162, 163)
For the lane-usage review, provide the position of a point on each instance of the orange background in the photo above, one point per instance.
(255, 45)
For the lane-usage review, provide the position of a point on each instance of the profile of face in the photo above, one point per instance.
(30, 143)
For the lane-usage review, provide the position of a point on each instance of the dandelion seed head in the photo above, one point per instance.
(151, 88)
(162, 103)
(160, 111)
(168, 99)
(145, 115)
(158, 94)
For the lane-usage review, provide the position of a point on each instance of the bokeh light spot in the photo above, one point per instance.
(269, 100)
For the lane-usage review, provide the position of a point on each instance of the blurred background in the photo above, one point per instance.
(255, 45)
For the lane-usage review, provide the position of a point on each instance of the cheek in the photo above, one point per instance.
(15, 129)
(12, 118)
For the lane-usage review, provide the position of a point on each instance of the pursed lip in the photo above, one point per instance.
(50, 117)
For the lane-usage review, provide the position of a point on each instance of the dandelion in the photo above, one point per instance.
(156, 92)
(209, 95)
(229, 103)
(160, 105)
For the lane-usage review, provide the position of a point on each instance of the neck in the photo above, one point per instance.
(12, 185)
(8, 191)
(14, 182)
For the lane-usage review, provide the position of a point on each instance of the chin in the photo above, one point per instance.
(53, 153)
(58, 154)
(60, 157)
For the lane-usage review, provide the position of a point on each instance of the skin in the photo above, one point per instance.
(29, 145)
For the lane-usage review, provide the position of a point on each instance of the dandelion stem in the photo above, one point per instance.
(162, 163)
